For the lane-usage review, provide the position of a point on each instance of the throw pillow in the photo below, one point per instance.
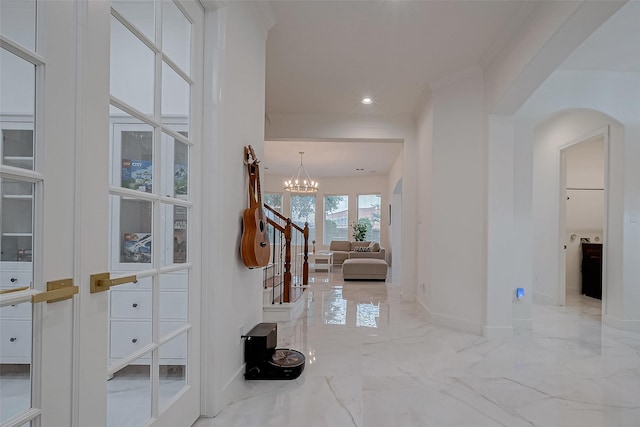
(363, 249)
(374, 247)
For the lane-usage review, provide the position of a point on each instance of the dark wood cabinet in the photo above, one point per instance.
(592, 270)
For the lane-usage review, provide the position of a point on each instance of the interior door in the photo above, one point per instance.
(155, 122)
(64, 362)
(39, 276)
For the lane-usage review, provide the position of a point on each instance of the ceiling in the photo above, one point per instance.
(323, 56)
(326, 159)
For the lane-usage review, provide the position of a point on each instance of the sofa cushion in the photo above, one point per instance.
(340, 245)
(355, 245)
(363, 249)
(374, 247)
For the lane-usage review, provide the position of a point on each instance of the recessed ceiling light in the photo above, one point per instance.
(367, 101)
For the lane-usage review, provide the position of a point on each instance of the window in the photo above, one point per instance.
(273, 200)
(369, 213)
(303, 209)
(336, 219)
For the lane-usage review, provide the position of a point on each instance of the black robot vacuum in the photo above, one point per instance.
(266, 362)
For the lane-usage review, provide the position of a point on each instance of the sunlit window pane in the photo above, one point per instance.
(369, 215)
(336, 218)
(303, 209)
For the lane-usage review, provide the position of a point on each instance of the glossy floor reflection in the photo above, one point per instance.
(374, 361)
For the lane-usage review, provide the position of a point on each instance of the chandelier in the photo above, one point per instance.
(300, 182)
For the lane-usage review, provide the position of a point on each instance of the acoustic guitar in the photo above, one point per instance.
(254, 246)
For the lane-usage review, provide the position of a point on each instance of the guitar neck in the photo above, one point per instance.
(258, 187)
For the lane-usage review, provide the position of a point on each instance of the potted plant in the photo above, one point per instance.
(359, 230)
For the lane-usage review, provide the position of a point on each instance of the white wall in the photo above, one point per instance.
(235, 41)
(394, 184)
(457, 228)
(424, 196)
(502, 308)
(351, 187)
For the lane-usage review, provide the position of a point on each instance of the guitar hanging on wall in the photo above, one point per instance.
(254, 246)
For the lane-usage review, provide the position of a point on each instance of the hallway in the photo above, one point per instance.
(373, 360)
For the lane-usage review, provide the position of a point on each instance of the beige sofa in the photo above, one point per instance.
(343, 250)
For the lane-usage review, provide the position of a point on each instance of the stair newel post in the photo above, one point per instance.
(305, 266)
(286, 292)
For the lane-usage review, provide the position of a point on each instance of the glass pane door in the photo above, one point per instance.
(18, 182)
(151, 209)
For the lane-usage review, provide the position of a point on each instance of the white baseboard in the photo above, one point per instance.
(466, 326)
(541, 298)
(233, 389)
(452, 322)
(625, 325)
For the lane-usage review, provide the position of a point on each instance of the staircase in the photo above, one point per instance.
(286, 277)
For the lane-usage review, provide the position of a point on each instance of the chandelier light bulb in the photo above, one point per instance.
(308, 185)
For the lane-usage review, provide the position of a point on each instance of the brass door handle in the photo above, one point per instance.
(57, 290)
(103, 281)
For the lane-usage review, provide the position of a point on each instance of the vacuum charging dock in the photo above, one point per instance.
(266, 362)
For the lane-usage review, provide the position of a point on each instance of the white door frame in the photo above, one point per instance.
(562, 258)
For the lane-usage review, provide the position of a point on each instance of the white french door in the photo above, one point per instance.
(39, 233)
(67, 215)
(155, 122)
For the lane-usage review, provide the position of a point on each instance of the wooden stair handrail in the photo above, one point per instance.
(275, 225)
(282, 217)
(287, 231)
(275, 212)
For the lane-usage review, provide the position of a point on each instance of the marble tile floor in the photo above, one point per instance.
(374, 361)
